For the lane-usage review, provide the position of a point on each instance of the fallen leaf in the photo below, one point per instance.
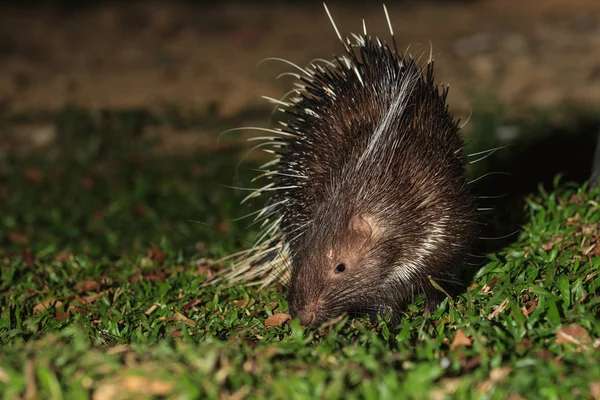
(498, 310)
(487, 288)
(595, 390)
(44, 305)
(572, 334)
(151, 309)
(156, 254)
(180, 317)
(460, 339)
(64, 256)
(17, 238)
(30, 380)
(142, 385)
(28, 258)
(87, 286)
(277, 319)
(242, 303)
(87, 183)
(499, 374)
(3, 376)
(61, 316)
(33, 174)
(78, 310)
(140, 210)
(223, 227)
(94, 297)
(549, 245)
(523, 344)
(192, 304)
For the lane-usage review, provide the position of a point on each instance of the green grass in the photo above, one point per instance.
(101, 297)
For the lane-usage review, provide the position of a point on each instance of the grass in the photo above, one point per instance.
(101, 297)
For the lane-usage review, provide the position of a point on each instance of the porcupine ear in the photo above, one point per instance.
(365, 226)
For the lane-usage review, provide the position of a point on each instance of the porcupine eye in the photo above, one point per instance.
(340, 268)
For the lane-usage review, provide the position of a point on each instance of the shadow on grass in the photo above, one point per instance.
(547, 144)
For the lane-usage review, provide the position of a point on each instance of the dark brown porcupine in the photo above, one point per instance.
(371, 204)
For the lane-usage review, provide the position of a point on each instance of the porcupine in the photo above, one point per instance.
(371, 204)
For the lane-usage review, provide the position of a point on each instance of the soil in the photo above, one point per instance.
(151, 54)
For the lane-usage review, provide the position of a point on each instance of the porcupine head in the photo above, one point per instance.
(382, 208)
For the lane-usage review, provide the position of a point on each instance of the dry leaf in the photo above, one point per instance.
(142, 385)
(277, 319)
(33, 175)
(191, 304)
(61, 316)
(180, 317)
(151, 309)
(572, 334)
(498, 310)
(17, 238)
(94, 297)
(156, 254)
(3, 376)
(87, 286)
(595, 390)
(487, 288)
(242, 303)
(223, 227)
(44, 305)
(28, 258)
(64, 256)
(499, 374)
(460, 339)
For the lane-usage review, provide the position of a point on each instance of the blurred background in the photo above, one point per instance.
(201, 54)
(110, 110)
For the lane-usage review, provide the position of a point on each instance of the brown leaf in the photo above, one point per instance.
(277, 319)
(242, 303)
(77, 309)
(498, 310)
(595, 390)
(44, 305)
(93, 298)
(64, 256)
(191, 304)
(223, 227)
(572, 334)
(156, 254)
(61, 316)
(28, 258)
(549, 245)
(33, 174)
(487, 288)
(87, 183)
(142, 385)
(140, 210)
(17, 238)
(197, 170)
(523, 344)
(151, 309)
(499, 374)
(180, 317)
(87, 286)
(460, 339)
(177, 334)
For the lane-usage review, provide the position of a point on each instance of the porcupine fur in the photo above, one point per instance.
(370, 202)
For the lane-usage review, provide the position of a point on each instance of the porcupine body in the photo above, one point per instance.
(370, 199)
